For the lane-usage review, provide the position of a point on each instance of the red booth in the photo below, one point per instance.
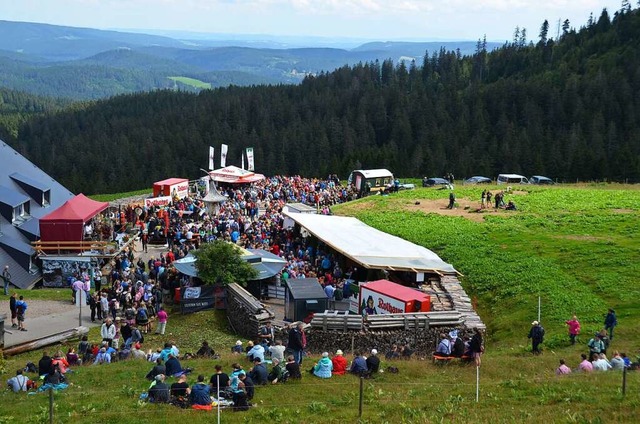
(67, 222)
(386, 297)
(171, 187)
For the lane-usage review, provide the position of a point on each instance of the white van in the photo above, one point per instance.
(512, 179)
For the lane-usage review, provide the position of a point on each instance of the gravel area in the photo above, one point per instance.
(38, 308)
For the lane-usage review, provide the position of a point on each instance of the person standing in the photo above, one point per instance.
(108, 331)
(162, 321)
(482, 199)
(6, 277)
(574, 329)
(536, 334)
(296, 342)
(609, 322)
(12, 308)
(476, 346)
(452, 200)
(21, 310)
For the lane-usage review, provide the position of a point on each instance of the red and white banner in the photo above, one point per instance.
(223, 155)
(211, 153)
(250, 160)
(378, 303)
(157, 201)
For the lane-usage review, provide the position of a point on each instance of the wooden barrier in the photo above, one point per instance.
(46, 341)
(341, 320)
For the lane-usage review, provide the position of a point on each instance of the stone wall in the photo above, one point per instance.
(423, 341)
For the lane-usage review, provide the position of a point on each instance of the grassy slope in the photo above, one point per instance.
(115, 196)
(571, 244)
(191, 82)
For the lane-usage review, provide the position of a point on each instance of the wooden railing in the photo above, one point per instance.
(341, 320)
(68, 247)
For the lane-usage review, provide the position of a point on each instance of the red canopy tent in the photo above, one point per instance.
(67, 222)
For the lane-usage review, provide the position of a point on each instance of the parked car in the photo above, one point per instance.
(511, 179)
(432, 182)
(478, 180)
(539, 179)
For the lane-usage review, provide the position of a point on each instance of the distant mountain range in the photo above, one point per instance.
(85, 63)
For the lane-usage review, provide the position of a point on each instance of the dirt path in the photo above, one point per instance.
(467, 208)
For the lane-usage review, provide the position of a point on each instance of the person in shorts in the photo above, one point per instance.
(21, 309)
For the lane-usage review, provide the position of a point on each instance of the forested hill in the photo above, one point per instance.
(566, 108)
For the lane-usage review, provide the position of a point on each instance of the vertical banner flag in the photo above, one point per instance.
(250, 163)
(242, 155)
(223, 155)
(211, 151)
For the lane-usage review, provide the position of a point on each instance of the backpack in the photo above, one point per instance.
(31, 367)
(141, 314)
(285, 376)
(338, 294)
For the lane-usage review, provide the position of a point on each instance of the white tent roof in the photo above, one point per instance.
(235, 175)
(370, 247)
(375, 173)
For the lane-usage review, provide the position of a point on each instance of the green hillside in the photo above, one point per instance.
(575, 246)
(565, 109)
(191, 82)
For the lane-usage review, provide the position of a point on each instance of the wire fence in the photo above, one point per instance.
(366, 393)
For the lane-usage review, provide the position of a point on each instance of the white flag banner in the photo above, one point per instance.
(211, 152)
(242, 155)
(250, 162)
(223, 155)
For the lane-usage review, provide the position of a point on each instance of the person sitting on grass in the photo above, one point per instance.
(205, 351)
(174, 369)
(339, 363)
(563, 368)
(617, 363)
(359, 364)
(219, 381)
(293, 367)
(60, 361)
(585, 365)
(256, 351)
(159, 391)
(199, 396)
(277, 371)
(248, 384)
(324, 366)
(373, 362)
(601, 363)
(406, 352)
(102, 357)
(277, 351)
(157, 369)
(393, 353)
(180, 391)
(72, 357)
(237, 348)
(18, 383)
(259, 372)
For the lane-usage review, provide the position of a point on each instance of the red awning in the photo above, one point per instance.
(66, 222)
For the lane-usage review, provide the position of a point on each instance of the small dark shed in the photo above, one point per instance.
(303, 296)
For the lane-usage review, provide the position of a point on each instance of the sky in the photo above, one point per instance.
(382, 20)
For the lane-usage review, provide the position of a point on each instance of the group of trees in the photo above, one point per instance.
(567, 107)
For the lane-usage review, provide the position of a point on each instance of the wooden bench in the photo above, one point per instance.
(443, 360)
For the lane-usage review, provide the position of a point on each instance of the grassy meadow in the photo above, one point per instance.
(574, 246)
(192, 82)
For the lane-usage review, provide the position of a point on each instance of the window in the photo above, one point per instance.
(46, 198)
(21, 213)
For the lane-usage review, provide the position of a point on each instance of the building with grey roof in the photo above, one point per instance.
(27, 193)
